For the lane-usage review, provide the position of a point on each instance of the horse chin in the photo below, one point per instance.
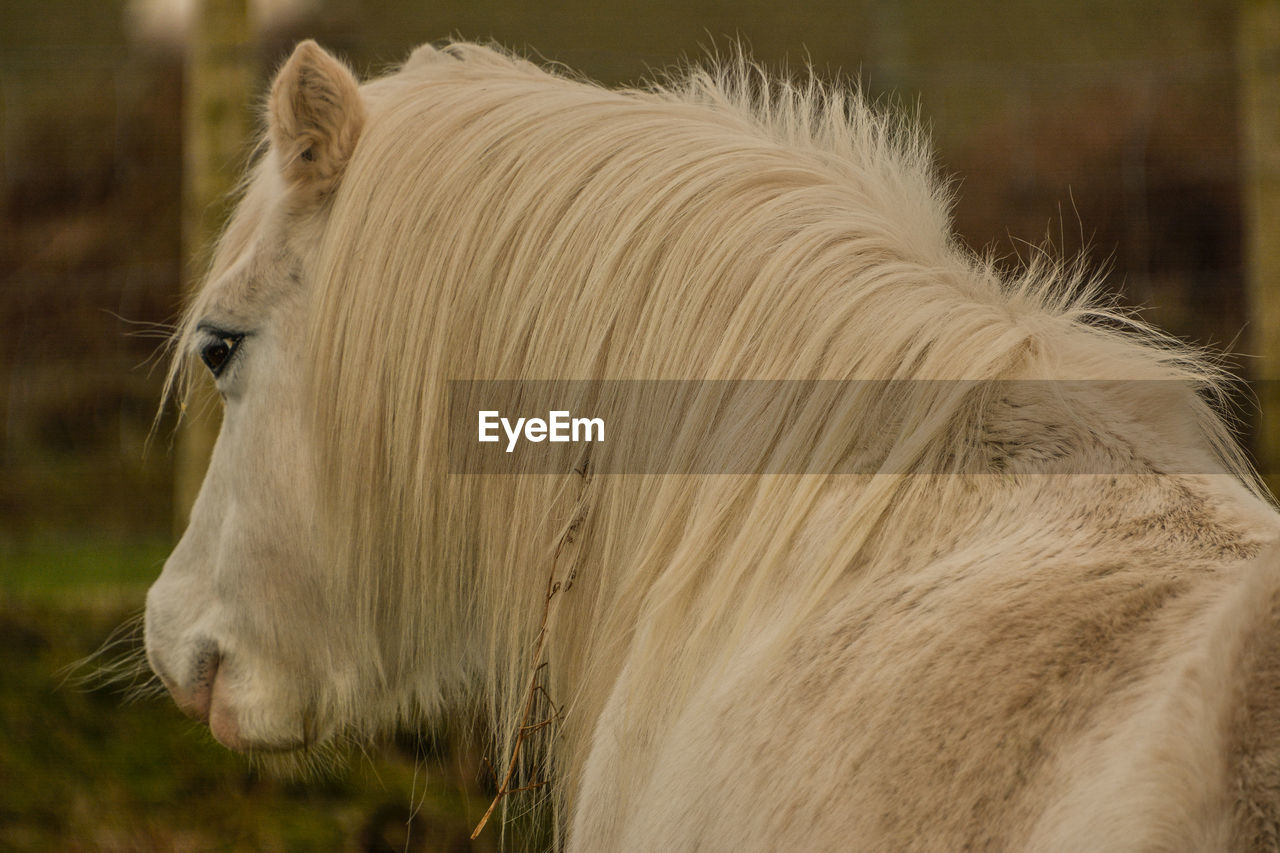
(242, 730)
(226, 730)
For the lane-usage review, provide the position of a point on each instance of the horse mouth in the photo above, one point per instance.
(204, 698)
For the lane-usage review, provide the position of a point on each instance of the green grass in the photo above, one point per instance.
(81, 769)
(58, 568)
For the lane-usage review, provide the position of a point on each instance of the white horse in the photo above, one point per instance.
(1050, 622)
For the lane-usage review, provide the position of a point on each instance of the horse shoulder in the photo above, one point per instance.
(980, 703)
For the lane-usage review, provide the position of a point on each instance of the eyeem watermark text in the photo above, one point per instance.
(559, 426)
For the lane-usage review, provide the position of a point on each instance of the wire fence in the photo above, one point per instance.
(1135, 160)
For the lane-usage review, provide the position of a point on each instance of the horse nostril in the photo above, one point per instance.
(195, 698)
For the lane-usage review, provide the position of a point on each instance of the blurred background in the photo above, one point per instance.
(1144, 134)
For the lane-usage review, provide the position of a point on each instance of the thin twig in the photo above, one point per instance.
(531, 694)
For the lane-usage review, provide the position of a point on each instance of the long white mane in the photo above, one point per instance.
(499, 221)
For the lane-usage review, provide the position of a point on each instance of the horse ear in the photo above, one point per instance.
(315, 116)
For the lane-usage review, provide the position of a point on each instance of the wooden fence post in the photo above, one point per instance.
(1259, 57)
(216, 123)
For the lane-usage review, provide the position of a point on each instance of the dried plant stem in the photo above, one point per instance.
(534, 689)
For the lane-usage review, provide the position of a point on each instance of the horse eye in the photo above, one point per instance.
(217, 353)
